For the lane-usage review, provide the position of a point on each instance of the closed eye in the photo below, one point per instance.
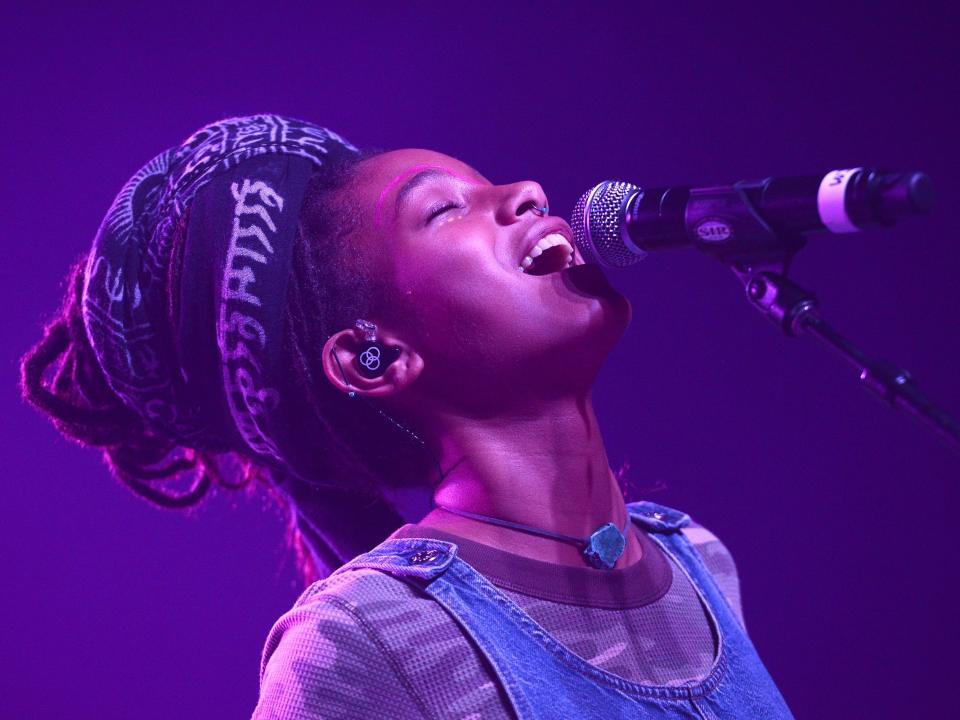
(440, 209)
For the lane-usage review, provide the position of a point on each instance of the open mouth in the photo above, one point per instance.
(550, 254)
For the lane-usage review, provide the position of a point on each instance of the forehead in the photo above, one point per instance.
(382, 169)
(384, 178)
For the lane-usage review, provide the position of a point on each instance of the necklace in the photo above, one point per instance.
(601, 550)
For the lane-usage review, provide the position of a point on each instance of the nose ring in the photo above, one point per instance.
(541, 211)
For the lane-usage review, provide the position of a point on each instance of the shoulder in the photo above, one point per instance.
(351, 607)
(719, 561)
(400, 619)
(362, 638)
(315, 652)
(357, 589)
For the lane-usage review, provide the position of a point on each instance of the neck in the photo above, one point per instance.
(544, 466)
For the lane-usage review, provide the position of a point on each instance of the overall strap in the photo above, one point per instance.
(415, 558)
(657, 518)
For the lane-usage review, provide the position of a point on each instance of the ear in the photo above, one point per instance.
(346, 344)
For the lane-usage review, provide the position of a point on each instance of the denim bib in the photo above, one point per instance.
(544, 680)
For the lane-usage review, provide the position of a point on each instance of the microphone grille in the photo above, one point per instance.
(597, 224)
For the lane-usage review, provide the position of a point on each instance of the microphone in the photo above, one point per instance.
(617, 223)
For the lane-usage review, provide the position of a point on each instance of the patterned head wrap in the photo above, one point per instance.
(150, 307)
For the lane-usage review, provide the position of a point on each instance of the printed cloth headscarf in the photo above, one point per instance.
(190, 337)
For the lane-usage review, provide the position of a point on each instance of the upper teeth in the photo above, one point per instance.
(543, 244)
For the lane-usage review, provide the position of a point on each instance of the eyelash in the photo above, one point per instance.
(442, 208)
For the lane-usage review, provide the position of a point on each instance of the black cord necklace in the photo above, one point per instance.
(601, 550)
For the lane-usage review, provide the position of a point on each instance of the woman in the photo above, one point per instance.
(364, 332)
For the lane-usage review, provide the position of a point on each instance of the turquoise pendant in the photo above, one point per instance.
(604, 547)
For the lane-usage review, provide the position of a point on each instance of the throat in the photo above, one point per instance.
(543, 467)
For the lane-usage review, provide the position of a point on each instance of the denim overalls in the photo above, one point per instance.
(544, 680)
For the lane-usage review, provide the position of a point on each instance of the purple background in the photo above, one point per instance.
(840, 512)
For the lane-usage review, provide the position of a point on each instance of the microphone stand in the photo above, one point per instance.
(795, 310)
(760, 256)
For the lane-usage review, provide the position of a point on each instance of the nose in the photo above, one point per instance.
(518, 199)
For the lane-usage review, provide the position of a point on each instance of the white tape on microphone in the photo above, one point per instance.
(831, 201)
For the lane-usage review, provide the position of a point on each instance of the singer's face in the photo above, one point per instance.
(447, 244)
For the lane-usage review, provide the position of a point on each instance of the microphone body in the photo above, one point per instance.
(617, 223)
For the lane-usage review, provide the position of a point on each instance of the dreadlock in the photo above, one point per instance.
(349, 455)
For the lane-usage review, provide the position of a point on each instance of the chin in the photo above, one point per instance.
(589, 337)
(614, 315)
(587, 287)
(619, 312)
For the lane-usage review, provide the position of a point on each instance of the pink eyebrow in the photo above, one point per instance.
(408, 173)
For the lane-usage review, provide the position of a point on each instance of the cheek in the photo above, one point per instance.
(445, 288)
